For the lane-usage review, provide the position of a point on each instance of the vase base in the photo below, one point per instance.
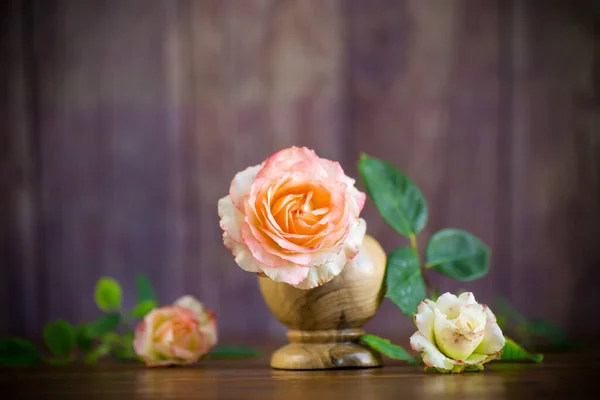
(311, 356)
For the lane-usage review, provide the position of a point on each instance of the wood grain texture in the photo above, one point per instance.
(326, 322)
(561, 376)
(123, 122)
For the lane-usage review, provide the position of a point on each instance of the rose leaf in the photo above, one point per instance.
(513, 352)
(17, 352)
(405, 285)
(108, 295)
(143, 308)
(144, 289)
(60, 337)
(385, 347)
(398, 200)
(458, 254)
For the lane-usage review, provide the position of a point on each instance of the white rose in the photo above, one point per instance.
(455, 333)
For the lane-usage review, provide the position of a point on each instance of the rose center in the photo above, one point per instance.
(306, 207)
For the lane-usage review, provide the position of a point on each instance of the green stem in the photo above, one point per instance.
(415, 247)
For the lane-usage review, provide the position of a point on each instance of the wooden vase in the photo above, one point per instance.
(325, 323)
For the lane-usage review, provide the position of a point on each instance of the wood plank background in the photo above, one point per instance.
(123, 122)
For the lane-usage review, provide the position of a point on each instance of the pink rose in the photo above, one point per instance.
(294, 218)
(177, 334)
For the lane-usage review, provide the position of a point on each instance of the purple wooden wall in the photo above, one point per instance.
(122, 123)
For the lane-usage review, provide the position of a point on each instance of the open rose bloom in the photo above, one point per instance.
(177, 334)
(294, 218)
(456, 333)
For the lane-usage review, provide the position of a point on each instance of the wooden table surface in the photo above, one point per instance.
(572, 376)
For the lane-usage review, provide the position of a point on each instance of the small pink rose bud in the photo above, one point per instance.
(176, 335)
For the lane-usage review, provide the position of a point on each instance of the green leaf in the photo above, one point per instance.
(548, 330)
(398, 199)
(385, 347)
(504, 307)
(108, 295)
(144, 289)
(126, 351)
(233, 352)
(405, 285)
(458, 254)
(59, 361)
(416, 360)
(143, 308)
(106, 324)
(435, 295)
(59, 337)
(513, 352)
(85, 340)
(127, 339)
(101, 351)
(528, 331)
(126, 354)
(501, 320)
(17, 352)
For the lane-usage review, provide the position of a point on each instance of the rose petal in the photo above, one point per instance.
(332, 169)
(449, 305)
(241, 184)
(323, 273)
(449, 339)
(142, 339)
(209, 330)
(355, 238)
(231, 219)
(257, 244)
(192, 304)
(351, 253)
(432, 357)
(184, 354)
(475, 359)
(471, 321)
(284, 159)
(163, 350)
(424, 319)
(242, 255)
(356, 199)
(493, 338)
(467, 298)
(289, 273)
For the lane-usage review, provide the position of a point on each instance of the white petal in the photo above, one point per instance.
(449, 305)
(354, 197)
(231, 218)
(321, 274)
(467, 298)
(425, 317)
(191, 303)
(290, 273)
(476, 358)
(493, 339)
(242, 255)
(449, 339)
(241, 184)
(324, 273)
(490, 317)
(355, 238)
(432, 357)
(143, 343)
(471, 321)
